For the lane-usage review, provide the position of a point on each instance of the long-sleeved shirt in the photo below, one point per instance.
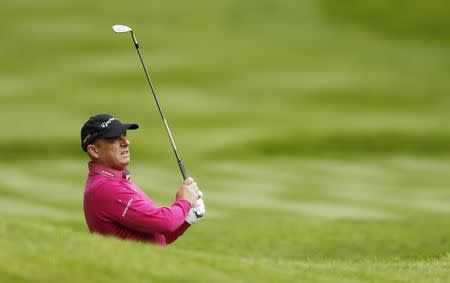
(114, 206)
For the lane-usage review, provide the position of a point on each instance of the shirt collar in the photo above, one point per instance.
(108, 172)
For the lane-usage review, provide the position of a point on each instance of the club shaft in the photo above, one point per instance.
(169, 133)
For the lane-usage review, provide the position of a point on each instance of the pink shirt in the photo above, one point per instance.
(114, 206)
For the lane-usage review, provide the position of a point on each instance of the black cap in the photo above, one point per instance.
(102, 126)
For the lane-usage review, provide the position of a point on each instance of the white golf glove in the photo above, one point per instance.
(197, 211)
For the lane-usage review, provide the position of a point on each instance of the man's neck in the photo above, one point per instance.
(110, 167)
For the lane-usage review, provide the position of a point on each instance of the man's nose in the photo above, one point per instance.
(124, 141)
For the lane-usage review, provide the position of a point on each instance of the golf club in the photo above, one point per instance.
(125, 29)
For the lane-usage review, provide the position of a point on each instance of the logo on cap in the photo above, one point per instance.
(106, 124)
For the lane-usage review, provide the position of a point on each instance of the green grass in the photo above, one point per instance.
(318, 130)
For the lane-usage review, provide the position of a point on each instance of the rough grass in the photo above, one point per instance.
(318, 130)
(315, 220)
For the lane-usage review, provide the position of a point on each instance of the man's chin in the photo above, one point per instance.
(122, 165)
(125, 163)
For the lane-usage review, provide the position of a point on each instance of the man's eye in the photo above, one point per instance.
(112, 140)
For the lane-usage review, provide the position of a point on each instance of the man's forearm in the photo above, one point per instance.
(172, 236)
(140, 216)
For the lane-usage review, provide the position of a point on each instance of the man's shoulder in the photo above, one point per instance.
(104, 184)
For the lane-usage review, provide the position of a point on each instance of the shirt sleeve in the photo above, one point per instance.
(172, 236)
(126, 207)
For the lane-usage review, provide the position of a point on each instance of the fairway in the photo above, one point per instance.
(319, 134)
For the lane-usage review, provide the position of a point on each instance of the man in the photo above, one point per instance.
(113, 205)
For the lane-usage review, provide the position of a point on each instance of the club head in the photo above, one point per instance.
(121, 29)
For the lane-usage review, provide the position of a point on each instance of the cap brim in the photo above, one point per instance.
(119, 130)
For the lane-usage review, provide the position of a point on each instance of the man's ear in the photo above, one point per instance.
(93, 151)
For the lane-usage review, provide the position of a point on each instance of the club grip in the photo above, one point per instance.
(183, 170)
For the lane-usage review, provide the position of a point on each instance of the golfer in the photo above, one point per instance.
(113, 205)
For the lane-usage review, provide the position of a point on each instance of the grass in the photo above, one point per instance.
(319, 133)
(320, 220)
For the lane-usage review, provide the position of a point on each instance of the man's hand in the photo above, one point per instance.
(188, 191)
(197, 211)
(199, 207)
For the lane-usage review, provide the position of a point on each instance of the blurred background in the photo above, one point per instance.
(319, 132)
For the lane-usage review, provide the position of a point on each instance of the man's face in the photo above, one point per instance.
(112, 152)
